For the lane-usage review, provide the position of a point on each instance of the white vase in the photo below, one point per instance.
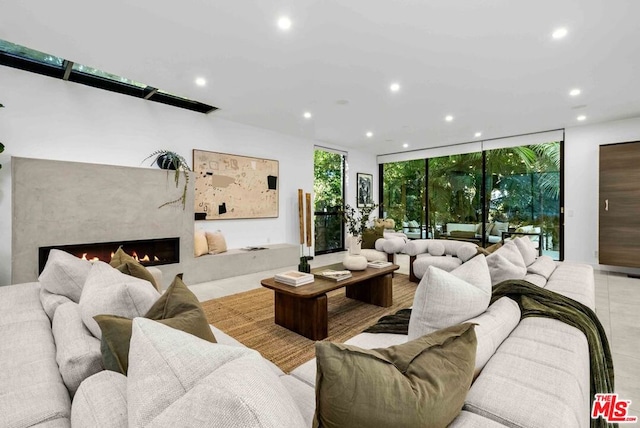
(355, 245)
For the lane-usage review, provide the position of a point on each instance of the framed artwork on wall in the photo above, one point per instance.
(234, 187)
(364, 196)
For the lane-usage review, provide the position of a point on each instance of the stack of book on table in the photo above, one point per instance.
(379, 264)
(334, 275)
(293, 277)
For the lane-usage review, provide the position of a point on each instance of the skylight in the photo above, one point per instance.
(27, 59)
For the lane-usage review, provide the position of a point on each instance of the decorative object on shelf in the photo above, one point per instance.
(171, 161)
(356, 262)
(304, 265)
(365, 190)
(233, 187)
(305, 224)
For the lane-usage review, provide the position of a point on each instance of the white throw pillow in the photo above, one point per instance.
(444, 298)
(110, 292)
(543, 266)
(527, 250)
(101, 401)
(64, 274)
(506, 263)
(494, 325)
(176, 377)
(77, 351)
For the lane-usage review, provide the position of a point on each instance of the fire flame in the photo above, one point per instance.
(146, 257)
(94, 259)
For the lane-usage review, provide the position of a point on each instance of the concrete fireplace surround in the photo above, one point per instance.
(62, 203)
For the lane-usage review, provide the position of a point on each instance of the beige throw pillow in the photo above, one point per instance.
(200, 244)
(216, 242)
(444, 298)
(421, 383)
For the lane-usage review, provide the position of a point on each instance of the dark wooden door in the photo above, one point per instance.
(619, 211)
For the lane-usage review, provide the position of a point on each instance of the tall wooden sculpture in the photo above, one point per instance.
(305, 224)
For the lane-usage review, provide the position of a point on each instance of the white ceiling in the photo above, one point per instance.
(492, 64)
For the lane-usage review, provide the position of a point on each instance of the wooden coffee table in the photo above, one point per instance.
(303, 309)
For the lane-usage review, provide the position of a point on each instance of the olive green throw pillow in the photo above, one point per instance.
(130, 266)
(421, 383)
(178, 307)
(370, 236)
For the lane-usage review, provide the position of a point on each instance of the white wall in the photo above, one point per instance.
(51, 119)
(581, 185)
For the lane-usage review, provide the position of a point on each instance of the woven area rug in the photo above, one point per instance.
(248, 317)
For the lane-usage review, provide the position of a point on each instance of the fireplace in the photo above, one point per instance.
(149, 252)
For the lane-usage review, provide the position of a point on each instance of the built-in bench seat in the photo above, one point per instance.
(234, 262)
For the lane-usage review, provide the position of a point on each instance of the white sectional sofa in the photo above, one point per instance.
(528, 373)
(532, 372)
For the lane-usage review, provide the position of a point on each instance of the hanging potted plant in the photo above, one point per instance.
(171, 161)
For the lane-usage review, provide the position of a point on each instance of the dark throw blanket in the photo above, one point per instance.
(535, 301)
(397, 323)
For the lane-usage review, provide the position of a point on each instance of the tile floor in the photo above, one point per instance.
(617, 306)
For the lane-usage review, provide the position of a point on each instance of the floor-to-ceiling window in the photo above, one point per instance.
(455, 192)
(483, 195)
(328, 186)
(523, 192)
(403, 196)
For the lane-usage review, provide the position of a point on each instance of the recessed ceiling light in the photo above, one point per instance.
(307, 115)
(581, 117)
(559, 33)
(575, 92)
(284, 23)
(405, 145)
(448, 118)
(477, 134)
(201, 81)
(395, 87)
(369, 134)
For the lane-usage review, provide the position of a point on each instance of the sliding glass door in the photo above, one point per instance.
(328, 186)
(403, 196)
(455, 192)
(480, 197)
(523, 193)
